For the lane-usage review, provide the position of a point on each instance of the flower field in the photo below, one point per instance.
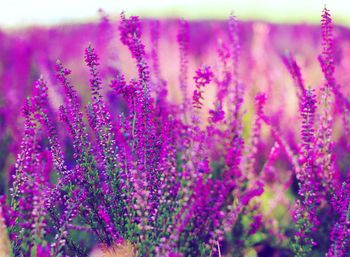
(175, 138)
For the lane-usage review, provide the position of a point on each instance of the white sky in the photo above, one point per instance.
(15, 13)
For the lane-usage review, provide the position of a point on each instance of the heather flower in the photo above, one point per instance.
(224, 55)
(71, 210)
(83, 152)
(130, 30)
(306, 215)
(268, 171)
(277, 135)
(71, 114)
(235, 52)
(197, 99)
(340, 233)
(252, 147)
(27, 222)
(42, 108)
(130, 35)
(102, 125)
(43, 251)
(235, 94)
(327, 64)
(255, 224)
(257, 190)
(24, 186)
(218, 113)
(233, 160)
(327, 45)
(159, 86)
(294, 70)
(183, 38)
(324, 134)
(202, 78)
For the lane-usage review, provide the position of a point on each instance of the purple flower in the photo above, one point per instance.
(294, 70)
(306, 214)
(130, 35)
(183, 38)
(202, 78)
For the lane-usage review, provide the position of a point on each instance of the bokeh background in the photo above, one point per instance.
(19, 13)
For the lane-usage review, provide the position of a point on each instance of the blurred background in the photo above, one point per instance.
(19, 13)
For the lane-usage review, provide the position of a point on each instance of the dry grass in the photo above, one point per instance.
(4, 241)
(119, 250)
